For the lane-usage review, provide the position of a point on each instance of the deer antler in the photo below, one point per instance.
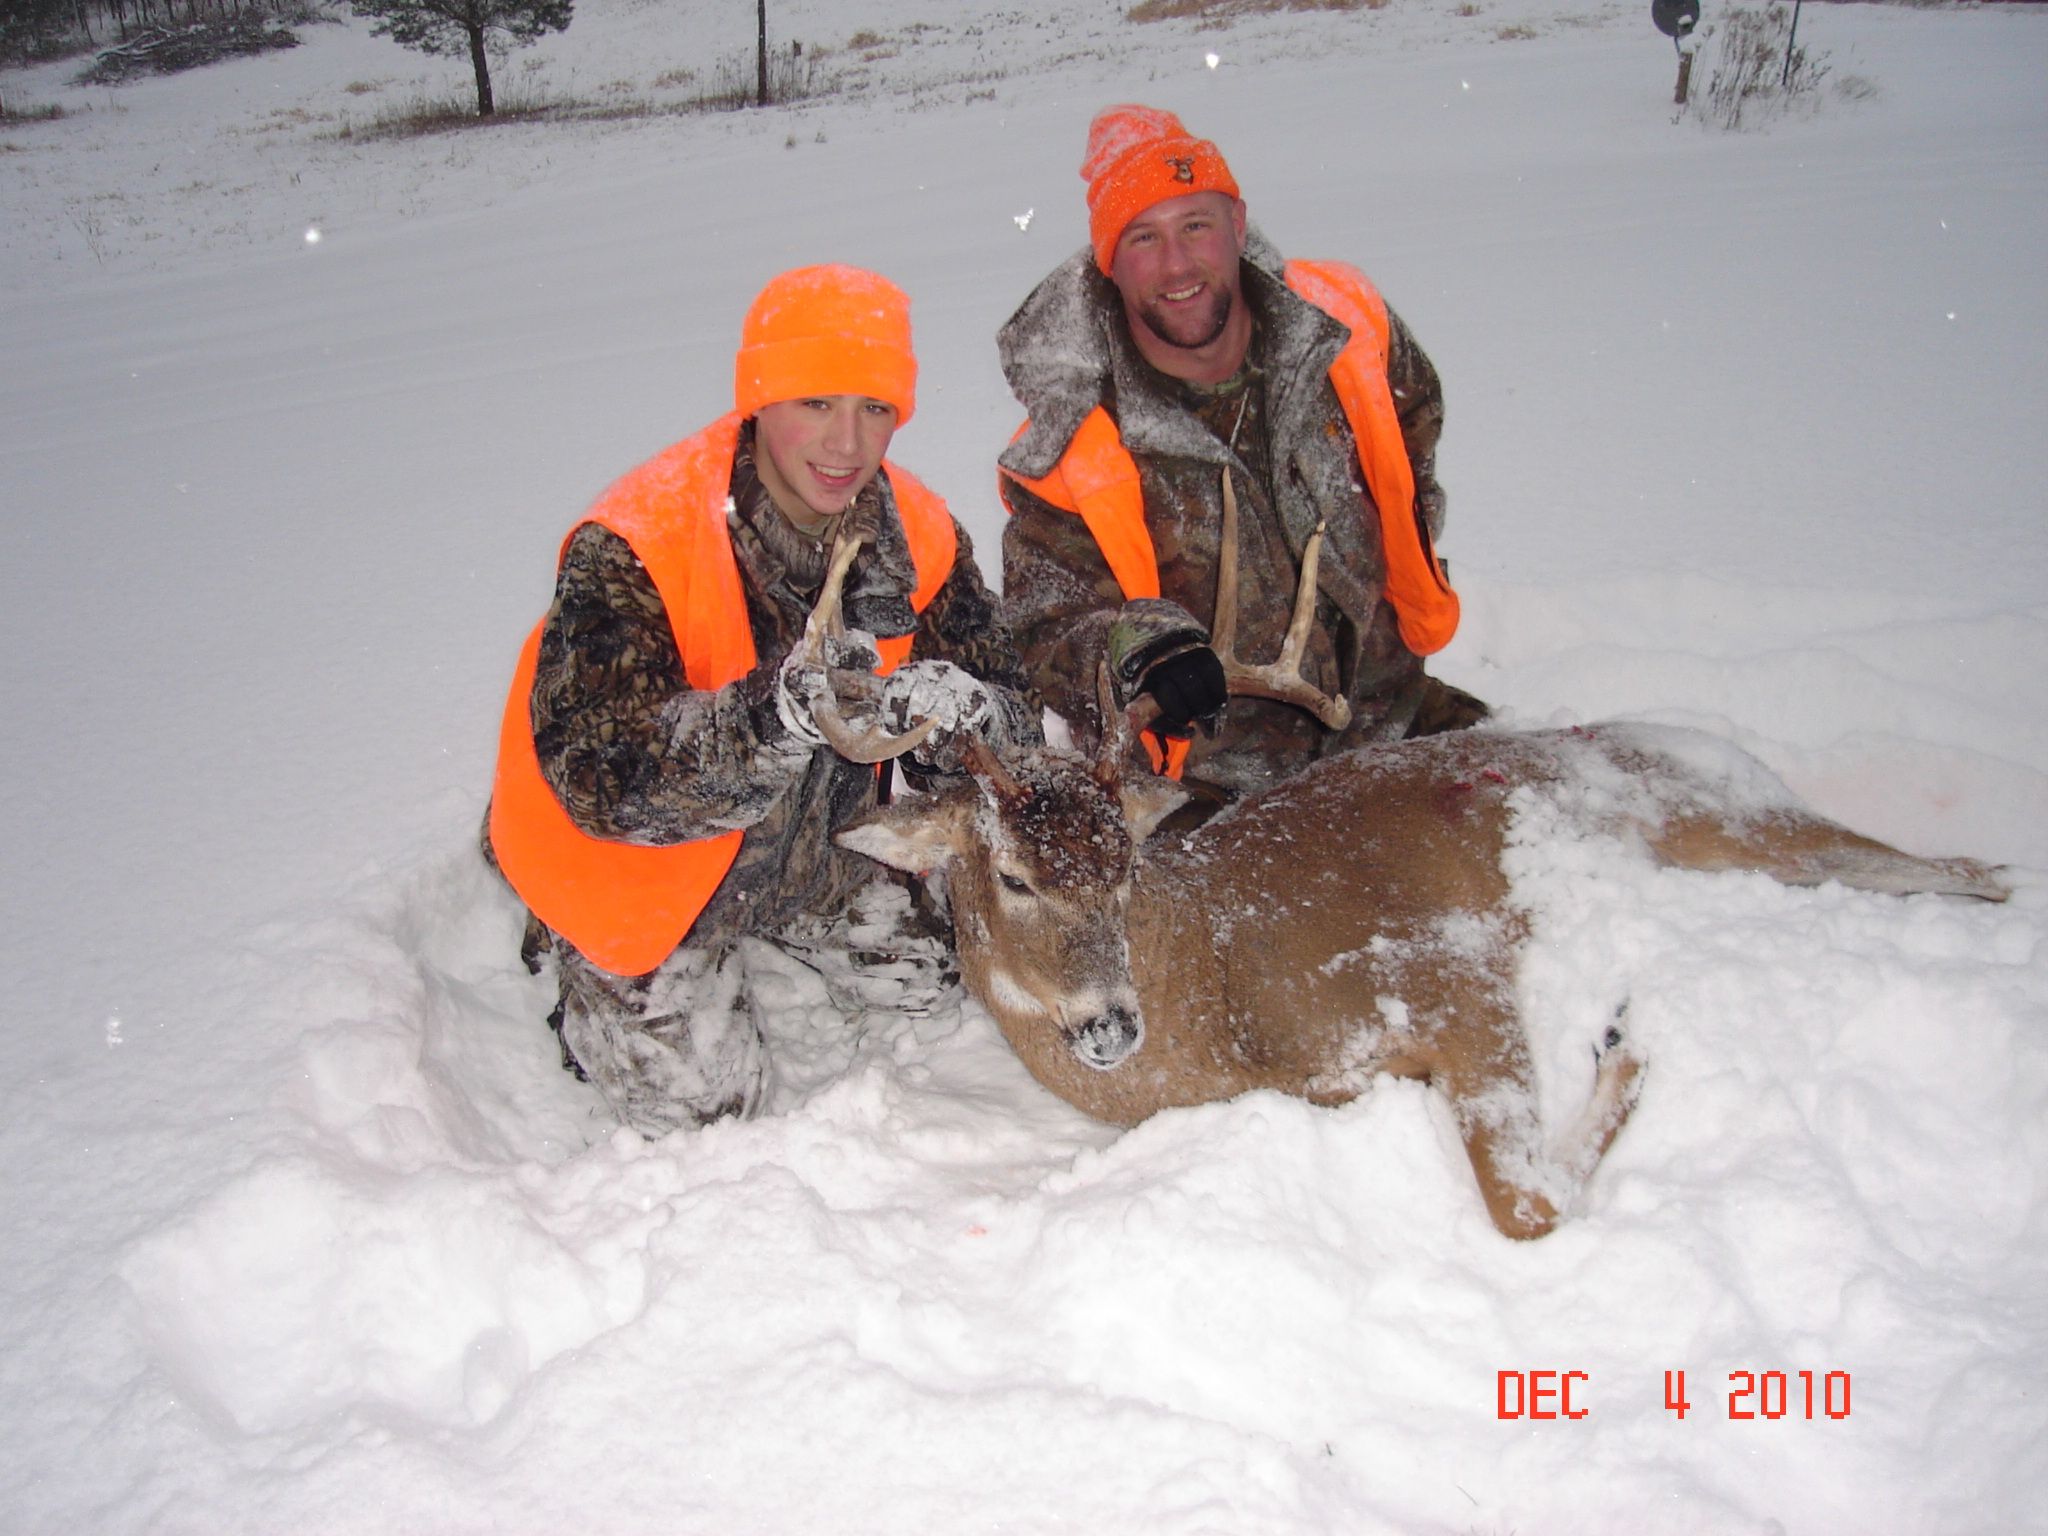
(860, 744)
(982, 760)
(1281, 678)
(1118, 727)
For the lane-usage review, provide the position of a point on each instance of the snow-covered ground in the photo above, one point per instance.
(306, 1232)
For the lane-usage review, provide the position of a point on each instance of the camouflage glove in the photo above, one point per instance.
(801, 682)
(937, 690)
(1156, 647)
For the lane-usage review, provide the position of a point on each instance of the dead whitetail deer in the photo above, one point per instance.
(1352, 921)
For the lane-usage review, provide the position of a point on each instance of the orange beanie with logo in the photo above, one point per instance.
(831, 330)
(1138, 156)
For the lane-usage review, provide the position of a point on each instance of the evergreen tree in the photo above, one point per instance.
(451, 27)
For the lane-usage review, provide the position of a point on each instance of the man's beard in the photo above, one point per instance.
(1192, 331)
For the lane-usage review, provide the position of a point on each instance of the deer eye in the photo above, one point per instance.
(1015, 886)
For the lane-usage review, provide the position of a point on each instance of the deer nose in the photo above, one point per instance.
(1105, 1040)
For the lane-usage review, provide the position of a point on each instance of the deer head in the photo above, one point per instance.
(1037, 853)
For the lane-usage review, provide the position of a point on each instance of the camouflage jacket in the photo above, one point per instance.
(635, 754)
(1278, 426)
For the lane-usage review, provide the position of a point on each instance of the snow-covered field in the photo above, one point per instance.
(307, 1233)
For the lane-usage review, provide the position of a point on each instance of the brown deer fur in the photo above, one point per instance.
(1352, 921)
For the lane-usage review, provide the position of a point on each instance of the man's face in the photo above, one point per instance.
(1176, 265)
(816, 454)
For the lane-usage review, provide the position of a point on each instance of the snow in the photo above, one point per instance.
(308, 1232)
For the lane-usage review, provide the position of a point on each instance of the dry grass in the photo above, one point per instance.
(871, 47)
(1758, 74)
(793, 75)
(1218, 12)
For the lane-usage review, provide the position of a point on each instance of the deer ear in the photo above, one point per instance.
(917, 834)
(1149, 800)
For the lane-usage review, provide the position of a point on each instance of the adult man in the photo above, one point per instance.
(1178, 348)
(663, 789)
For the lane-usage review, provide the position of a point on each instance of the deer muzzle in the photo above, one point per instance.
(1108, 1039)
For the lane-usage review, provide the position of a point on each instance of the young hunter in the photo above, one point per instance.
(663, 791)
(1178, 348)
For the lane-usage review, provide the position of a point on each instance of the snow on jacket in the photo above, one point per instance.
(635, 754)
(1280, 426)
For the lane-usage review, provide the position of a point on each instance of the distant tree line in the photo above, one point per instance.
(42, 29)
(47, 29)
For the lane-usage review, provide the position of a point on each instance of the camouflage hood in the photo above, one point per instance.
(1067, 350)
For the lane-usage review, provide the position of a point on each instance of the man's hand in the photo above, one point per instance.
(1189, 689)
(1156, 647)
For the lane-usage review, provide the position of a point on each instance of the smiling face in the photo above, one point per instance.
(814, 455)
(1176, 266)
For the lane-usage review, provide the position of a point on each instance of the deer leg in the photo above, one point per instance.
(1800, 848)
(1617, 1080)
(1525, 1183)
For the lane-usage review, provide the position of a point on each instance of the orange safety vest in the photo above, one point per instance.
(1097, 478)
(626, 906)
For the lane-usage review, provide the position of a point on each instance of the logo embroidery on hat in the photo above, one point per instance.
(1183, 167)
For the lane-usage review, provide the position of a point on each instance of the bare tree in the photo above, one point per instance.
(451, 27)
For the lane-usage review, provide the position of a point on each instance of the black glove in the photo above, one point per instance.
(1189, 689)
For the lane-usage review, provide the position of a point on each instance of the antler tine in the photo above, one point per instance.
(1281, 678)
(1118, 727)
(824, 619)
(860, 744)
(984, 764)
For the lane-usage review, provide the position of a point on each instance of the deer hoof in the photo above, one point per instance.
(1614, 1034)
(1108, 1039)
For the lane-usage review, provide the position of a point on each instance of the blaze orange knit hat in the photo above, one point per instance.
(1138, 156)
(831, 330)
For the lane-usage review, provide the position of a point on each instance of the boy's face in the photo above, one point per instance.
(815, 454)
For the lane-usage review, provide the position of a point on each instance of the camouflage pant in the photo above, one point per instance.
(668, 1050)
(684, 1045)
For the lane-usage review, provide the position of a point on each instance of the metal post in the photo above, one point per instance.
(1791, 40)
(1676, 19)
(761, 56)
